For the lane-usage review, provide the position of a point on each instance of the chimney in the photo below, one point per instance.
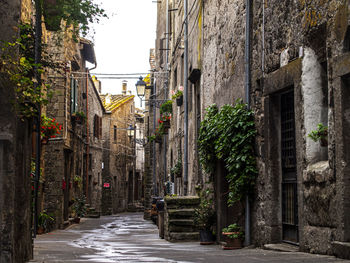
(124, 87)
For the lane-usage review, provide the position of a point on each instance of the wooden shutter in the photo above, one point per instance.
(100, 126)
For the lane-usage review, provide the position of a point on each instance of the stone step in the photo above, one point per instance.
(186, 236)
(181, 213)
(341, 249)
(282, 247)
(93, 215)
(181, 222)
(184, 229)
(182, 202)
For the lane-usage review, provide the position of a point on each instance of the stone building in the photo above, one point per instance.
(118, 152)
(296, 66)
(15, 153)
(95, 111)
(72, 161)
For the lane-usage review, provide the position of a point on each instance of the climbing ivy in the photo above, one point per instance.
(228, 135)
(18, 67)
(77, 14)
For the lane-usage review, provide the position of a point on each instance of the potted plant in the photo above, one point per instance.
(204, 218)
(79, 208)
(177, 168)
(77, 181)
(50, 128)
(79, 117)
(233, 236)
(164, 120)
(320, 134)
(178, 96)
(44, 222)
(166, 107)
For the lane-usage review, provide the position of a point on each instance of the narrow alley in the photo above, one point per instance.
(127, 237)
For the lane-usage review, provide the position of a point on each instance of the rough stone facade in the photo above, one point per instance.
(15, 155)
(67, 158)
(118, 152)
(300, 56)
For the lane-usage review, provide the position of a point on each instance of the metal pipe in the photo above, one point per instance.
(87, 137)
(247, 94)
(38, 36)
(155, 190)
(166, 86)
(186, 96)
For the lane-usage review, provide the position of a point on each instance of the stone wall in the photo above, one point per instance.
(15, 159)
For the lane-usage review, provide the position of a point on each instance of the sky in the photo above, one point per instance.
(122, 42)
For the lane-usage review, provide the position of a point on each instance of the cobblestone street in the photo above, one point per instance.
(129, 238)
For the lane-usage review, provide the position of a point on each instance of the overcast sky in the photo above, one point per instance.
(123, 41)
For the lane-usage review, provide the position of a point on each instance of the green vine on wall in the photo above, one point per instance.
(228, 135)
(18, 66)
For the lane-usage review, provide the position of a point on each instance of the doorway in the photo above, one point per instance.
(289, 169)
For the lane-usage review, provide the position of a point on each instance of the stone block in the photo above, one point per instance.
(317, 240)
(189, 236)
(341, 249)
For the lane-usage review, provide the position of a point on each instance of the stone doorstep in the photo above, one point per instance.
(180, 213)
(282, 247)
(175, 236)
(181, 222)
(341, 249)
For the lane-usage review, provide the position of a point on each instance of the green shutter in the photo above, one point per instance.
(76, 94)
(72, 95)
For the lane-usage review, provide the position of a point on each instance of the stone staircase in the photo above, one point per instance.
(92, 213)
(178, 218)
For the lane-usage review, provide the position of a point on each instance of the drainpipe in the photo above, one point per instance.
(87, 136)
(155, 190)
(247, 94)
(38, 36)
(186, 97)
(166, 84)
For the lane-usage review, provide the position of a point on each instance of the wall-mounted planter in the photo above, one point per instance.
(179, 101)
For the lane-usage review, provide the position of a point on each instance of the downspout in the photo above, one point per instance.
(186, 97)
(247, 95)
(155, 190)
(166, 83)
(38, 36)
(87, 136)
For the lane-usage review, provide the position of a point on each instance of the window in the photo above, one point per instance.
(115, 133)
(97, 127)
(74, 95)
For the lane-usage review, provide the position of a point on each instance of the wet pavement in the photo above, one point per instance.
(129, 238)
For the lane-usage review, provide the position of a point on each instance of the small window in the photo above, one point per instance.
(115, 133)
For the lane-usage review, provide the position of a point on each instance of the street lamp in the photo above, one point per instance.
(130, 131)
(140, 88)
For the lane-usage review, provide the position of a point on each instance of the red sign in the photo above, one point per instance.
(106, 185)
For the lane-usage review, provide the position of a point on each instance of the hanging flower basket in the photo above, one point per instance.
(179, 101)
(78, 117)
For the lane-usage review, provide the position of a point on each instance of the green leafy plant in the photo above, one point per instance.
(320, 133)
(177, 168)
(18, 67)
(45, 220)
(79, 115)
(178, 93)
(204, 215)
(79, 206)
(166, 107)
(228, 135)
(77, 14)
(234, 231)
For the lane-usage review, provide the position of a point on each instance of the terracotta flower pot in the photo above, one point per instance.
(231, 243)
